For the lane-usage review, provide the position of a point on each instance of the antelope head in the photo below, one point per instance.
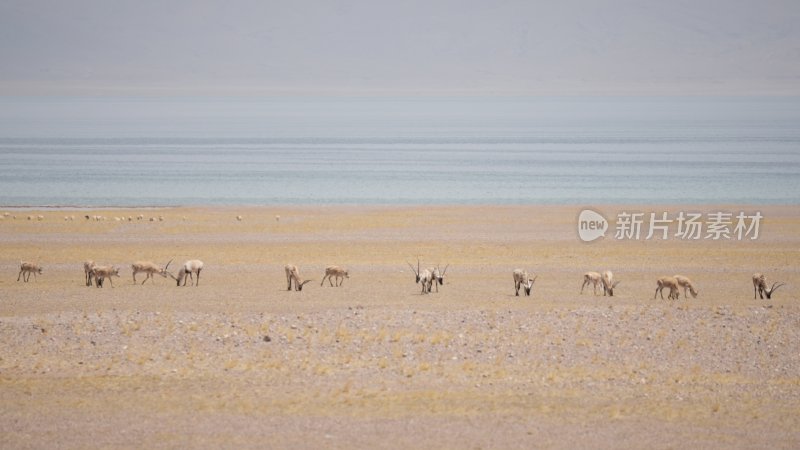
(611, 289)
(300, 286)
(416, 271)
(772, 289)
(529, 286)
(440, 277)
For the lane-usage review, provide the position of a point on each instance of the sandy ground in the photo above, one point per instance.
(240, 362)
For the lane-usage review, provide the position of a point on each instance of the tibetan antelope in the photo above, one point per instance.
(100, 273)
(521, 278)
(591, 278)
(87, 271)
(192, 266)
(425, 278)
(608, 283)
(337, 272)
(686, 283)
(669, 282)
(149, 268)
(293, 274)
(437, 277)
(26, 269)
(760, 286)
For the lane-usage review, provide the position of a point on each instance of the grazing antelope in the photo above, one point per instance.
(193, 266)
(87, 271)
(149, 268)
(608, 283)
(521, 278)
(686, 283)
(425, 278)
(100, 273)
(669, 282)
(760, 286)
(293, 274)
(26, 269)
(335, 272)
(591, 278)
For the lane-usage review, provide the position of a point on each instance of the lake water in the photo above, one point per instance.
(63, 151)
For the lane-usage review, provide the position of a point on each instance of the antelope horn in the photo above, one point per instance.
(412, 268)
(445, 269)
(534, 279)
(167, 266)
(615, 284)
(772, 289)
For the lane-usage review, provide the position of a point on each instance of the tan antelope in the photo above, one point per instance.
(337, 272)
(88, 265)
(425, 278)
(192, 266)
(26, 269)
(521, 278)
(293, 274)
(669, 282)
(100, 273)
(591, 278)
(608, 283)
(686, 283)
(760, 286)
(149, 268)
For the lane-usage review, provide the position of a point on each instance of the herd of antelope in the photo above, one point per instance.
(428, 278)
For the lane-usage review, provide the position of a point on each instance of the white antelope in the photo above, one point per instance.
(437, 277)
(100, 273)
(686, 283)
(608, 283)
(669, 282)
(150, 268)
(760, 286)
(593, 278)
(193, 266)
(87, 271)
(337, 272)
(425, 278)
(293, 274)
(521, 278)
(26, 269)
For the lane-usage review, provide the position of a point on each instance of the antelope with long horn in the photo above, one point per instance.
(760, 286)
(608, 283)
(591, 278)
(193, 266)
(150, 269)
(293, 274)
(521, 278)
(425, 278)
(437, 277)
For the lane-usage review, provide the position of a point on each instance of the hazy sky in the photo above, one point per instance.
(399, 47)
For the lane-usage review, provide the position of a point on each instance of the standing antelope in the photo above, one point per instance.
(425, 278)
(293, 274)
(335, 272)
(437, 278)
(608, 283)
(100, 273)
(521, 278)
(686, 283)
(26, 269)
(192, 266)
(760, 286)
(591, 278)
(87, 270)
(149, 268)
(669, 282)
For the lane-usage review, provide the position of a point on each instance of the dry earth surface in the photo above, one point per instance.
(239, 361)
